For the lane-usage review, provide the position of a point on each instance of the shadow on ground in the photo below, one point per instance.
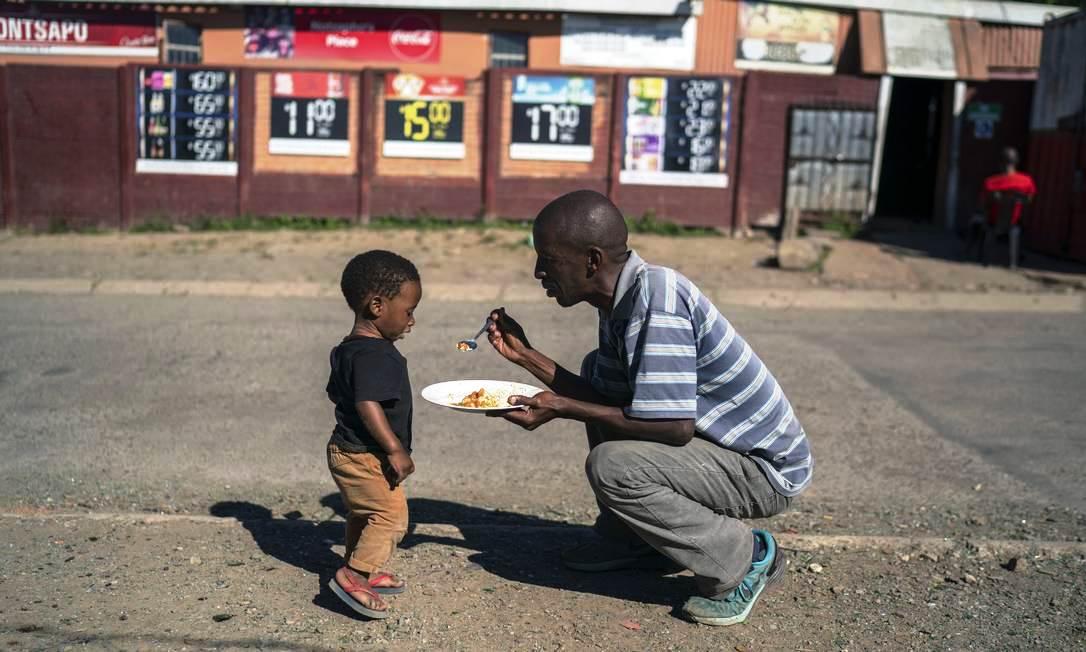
(515, 547)
(910, 239)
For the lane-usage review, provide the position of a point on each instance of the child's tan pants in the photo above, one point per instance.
(376, 515)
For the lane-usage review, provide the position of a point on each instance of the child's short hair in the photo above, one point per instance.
(375, 272)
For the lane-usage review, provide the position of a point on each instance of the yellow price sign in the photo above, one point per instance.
(424, 120)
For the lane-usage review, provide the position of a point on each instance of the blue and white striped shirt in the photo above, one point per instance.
(667, 353)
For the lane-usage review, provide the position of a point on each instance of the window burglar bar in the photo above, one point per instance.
(182, 42)
(508, 50)
(830, 152)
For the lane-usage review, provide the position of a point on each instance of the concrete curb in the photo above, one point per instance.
(773, 299)
(933, 547)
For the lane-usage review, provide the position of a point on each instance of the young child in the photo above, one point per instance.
(369, 453)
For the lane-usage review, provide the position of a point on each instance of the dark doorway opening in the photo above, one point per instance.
(910, 160)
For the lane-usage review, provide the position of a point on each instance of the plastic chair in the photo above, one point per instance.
(1007, 204)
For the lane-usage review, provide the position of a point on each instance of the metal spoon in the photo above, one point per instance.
(471, 345)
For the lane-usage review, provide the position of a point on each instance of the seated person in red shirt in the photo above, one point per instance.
(1009, 181)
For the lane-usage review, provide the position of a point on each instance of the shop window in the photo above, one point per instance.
(182, 42)
(508, 50)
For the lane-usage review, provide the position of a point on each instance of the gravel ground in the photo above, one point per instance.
(106, 585)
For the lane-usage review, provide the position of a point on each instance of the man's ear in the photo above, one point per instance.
(594, 261)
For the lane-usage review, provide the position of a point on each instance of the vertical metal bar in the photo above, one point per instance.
(886, 87)
(955, 151)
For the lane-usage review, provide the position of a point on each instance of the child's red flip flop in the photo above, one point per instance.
(376, 578)
(345, 587)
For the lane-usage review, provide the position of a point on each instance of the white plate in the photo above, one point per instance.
(448, 393)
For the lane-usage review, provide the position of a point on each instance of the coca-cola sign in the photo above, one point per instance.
(47, 28)
(339, 33)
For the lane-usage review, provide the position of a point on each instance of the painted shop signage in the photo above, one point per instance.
(342, 33)
(310, 114)
(53, 29)
(628, 41)
(424, 117)
(186, 121)
(676, 131)
(772, 36)
(552, 118)
(918, 46)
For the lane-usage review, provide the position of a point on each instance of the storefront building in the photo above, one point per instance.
(724, 113)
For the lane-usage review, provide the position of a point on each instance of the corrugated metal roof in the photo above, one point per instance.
(986, 11)
(1013, 46)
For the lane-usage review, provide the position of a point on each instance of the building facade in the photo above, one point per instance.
(726, 113)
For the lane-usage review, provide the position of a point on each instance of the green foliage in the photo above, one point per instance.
(251, 223)
(846, 225)
(649, 224)
(428, 222)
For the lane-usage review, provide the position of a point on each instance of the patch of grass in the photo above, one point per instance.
(649, 224)
(846, 225)
(60, 225)
(427, 222)
(252, 223)
(151, 226)
(819, 266)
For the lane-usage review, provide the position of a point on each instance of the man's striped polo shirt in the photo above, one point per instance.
(667, 353)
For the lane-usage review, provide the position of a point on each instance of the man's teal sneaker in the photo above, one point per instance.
(735, 607)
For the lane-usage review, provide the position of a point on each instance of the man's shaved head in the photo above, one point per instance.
(583, 219)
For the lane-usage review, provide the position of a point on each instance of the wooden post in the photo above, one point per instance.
(492, 141)
(367, 143)
(126, 142)
(246, 156)
(9, 216)
(616, 134)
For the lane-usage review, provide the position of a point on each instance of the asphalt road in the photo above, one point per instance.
(925, 423)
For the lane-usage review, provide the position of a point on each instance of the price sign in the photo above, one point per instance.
(186, 121)
(676, 131)
(552, 118)
(310, 114)
(424, 117)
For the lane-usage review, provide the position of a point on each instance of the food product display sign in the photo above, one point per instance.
(552, 118)
(310, 114)
(676, 131)
(424, 117)
(186, 121)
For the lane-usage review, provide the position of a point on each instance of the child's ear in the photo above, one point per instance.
(377, 305)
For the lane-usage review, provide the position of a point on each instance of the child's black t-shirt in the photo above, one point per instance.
(369, 369)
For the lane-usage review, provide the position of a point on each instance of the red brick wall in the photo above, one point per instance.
(767, 97)
(63, 128)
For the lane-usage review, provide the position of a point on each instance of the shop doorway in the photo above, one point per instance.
(910, 160)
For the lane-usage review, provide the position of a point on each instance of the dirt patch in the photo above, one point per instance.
(475, 255)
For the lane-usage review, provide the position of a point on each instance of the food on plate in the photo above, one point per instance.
(479, 399)
(463, 346)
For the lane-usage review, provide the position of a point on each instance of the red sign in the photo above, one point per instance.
(309, 84)
(406, 85)
(55, 29)
(321, 33)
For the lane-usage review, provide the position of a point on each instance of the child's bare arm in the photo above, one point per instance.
(377, 424)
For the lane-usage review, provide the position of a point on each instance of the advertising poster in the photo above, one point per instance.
(52, 29)
(784, 37)
(186, 121)
(628, 41)
(342, 33)
(918, 46)
(310, 114)
(424, 117)
(676, 131)
(552, 118)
